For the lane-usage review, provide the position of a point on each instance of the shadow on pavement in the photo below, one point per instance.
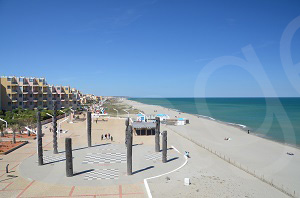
(82, 172)
(141, 170)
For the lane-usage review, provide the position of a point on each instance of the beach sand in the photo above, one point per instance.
(215, 177)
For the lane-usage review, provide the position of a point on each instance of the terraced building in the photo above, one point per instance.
(31, 93)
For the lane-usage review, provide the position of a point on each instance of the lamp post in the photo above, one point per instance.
(117, 112)
(126, 112)
(49, 115)
(72, 115)
(5, 122)
(63, 112)
(59, 126)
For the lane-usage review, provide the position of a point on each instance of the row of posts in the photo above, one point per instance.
(68, 142)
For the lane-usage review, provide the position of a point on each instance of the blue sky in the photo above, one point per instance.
(147, 48)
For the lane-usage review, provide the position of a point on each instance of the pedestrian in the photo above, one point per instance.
(111, 138)
(102, 137)
(105, 136)
(108, 135)
(248, 131)
(96, 121)
(50, 129)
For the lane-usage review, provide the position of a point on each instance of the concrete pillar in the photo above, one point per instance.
(89, 128)
(69, 157)
(54, 124)
(129, 151)
(39, 139)
(164, 147)
(157, 131)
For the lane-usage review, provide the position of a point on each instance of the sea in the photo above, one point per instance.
(277, 119)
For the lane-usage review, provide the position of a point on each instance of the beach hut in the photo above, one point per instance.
(180, 121)
(141, 117)
(163, 117)
(144, 128)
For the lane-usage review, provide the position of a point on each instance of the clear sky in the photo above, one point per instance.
(147, 48)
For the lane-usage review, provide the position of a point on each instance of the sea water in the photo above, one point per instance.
(277, 119)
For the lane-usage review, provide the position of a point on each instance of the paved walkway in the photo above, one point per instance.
(100, 171)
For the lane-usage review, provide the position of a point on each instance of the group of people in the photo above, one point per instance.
(107, 137)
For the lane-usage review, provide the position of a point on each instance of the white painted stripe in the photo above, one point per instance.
(145, 180)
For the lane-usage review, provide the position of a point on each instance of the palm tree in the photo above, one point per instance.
(14, 129)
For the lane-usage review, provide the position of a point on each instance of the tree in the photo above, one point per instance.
(14, 128)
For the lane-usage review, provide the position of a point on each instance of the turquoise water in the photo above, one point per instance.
(273, 118)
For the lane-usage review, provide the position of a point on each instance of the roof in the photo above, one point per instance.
(161, 115)
(143, 125)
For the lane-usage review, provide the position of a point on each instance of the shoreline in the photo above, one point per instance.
(268, 160)
(242, 127)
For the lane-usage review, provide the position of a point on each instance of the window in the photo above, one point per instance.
(8, 79)
(8, 87)
(20, 95)
(49, 95)
(40, 95)
(40, 88)
(40, 103)
(30, 80)
(30, 103)
(9, 103)
(30, 95)
(58, 88)
(67, 88)
(20, 103)
(40, 80)
(50, 102)
(9, 95)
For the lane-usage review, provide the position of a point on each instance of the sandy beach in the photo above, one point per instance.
(245, 156)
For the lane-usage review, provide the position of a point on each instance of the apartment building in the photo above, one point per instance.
(31, 93)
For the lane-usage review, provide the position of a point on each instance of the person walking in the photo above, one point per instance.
(102, 137)
(111, 138)
(105, 136)
(248, 131)
(96, 121)
(108, 135)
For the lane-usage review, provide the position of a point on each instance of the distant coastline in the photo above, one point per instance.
(243, 127)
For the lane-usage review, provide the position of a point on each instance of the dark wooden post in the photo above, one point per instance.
(157, 131)
(129, 151)
(164, 147)
(126, 131)
(54, 123)
(69, 157)
(89, 128)
(39, 139)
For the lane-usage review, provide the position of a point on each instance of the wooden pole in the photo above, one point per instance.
(129, 151)
(126, 131)
(89, 128)
(164, 147)
(39, 139)
(54, 123)
(69, 157)
(157, 131)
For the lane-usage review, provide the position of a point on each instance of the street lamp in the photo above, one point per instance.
(49, 114)
(63, 112)
(59, 126)
(5, 122)
(117, 112)
(126, 112)
(72, 115)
